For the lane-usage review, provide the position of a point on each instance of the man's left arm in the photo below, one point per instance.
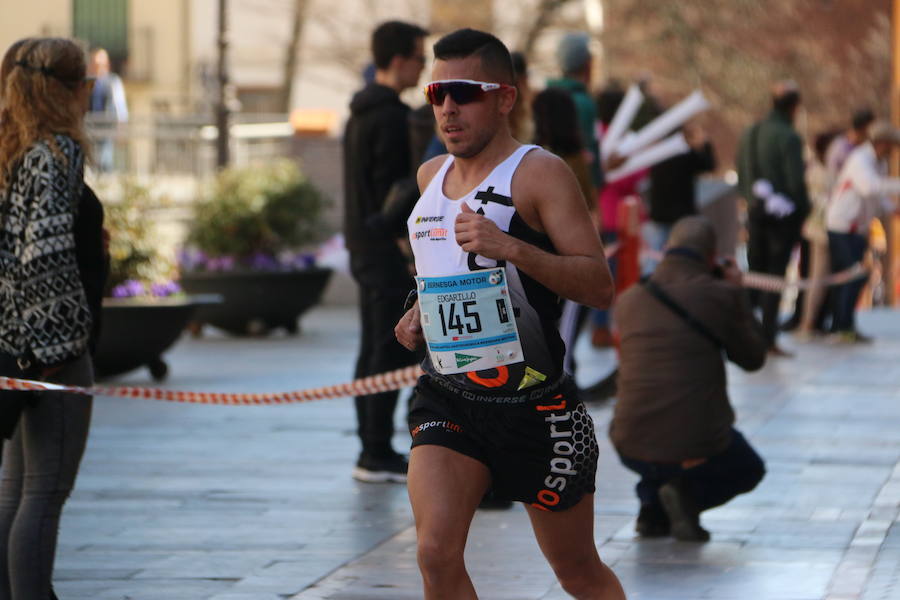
(795, 173)
(548, 194)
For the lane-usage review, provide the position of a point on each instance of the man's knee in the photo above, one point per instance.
(578, 574)
(439, 557)
(753, 474)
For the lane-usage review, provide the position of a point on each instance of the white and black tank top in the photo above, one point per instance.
(536, 308)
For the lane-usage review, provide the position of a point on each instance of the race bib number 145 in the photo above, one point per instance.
(468, 321)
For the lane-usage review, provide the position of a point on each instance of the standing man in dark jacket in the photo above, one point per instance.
(673, 423)
(771, 179)
(376, 156)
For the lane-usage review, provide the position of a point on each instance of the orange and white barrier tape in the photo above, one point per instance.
(383, 382)
(773, 283)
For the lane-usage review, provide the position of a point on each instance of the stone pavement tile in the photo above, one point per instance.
(726, 553)
(170, 589)
(700, 581)
(93, 573)
(246, 596)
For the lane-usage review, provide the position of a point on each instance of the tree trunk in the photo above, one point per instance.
(543, 14)
(290, 58)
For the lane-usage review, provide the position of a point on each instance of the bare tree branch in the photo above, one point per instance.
(291, 58)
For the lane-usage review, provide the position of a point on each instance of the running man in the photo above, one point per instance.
(501, 229)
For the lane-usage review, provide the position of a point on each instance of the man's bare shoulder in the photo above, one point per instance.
(541, 172)
(539, 165)
(428, 170)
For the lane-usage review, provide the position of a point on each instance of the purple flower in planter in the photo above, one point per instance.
(129, 289)
(192, 259)
(220, 263)
(297, 260)
(263, 262)
(163, 290)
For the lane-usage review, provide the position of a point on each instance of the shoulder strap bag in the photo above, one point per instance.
(679, 310)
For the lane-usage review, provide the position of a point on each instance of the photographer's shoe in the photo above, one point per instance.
(652, 522)
(682, 512)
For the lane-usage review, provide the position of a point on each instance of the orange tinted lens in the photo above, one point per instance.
(462, 92)
(434, 94)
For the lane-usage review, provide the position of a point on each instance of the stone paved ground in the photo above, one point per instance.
(180, 502)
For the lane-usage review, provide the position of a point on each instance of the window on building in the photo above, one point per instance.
(103, 23)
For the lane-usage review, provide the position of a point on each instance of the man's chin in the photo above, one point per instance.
(463, 150)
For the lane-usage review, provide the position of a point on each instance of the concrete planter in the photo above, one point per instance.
(257, 302)
(136, 332)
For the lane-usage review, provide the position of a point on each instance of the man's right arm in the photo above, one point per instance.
(744, 339)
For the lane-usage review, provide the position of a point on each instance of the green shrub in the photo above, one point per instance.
(134, 252)
(261, 210)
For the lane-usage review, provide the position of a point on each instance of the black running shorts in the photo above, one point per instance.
(541, 452)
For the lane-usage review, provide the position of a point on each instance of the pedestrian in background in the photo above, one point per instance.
(45, 319)
(377, 156)
(673, 191)
(576, 63)
(771, 178)
(844, 143)
(556, 130)
(839, 147)
(108, 105)
(861, 194)
(811, 302)
(520, 121)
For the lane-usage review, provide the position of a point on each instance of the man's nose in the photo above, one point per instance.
(449, 106)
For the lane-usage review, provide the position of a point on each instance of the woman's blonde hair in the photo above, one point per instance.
(40, 81)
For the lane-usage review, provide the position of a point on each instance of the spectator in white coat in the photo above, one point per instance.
(861, 194)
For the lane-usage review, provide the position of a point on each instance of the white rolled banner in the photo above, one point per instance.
(655, 154)
(664, 124)
(621, 121)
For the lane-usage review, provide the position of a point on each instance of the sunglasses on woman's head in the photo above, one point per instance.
(462, 91)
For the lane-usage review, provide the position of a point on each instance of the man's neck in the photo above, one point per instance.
(388, 79)
(499, 148)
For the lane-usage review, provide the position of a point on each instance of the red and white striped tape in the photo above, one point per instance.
(384, 382)
(773, 283)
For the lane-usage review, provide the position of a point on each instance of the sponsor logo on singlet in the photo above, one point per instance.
(435, 234)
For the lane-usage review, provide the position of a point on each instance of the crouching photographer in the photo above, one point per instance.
(673, 423)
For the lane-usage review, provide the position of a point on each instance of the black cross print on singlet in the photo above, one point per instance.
(486, 196)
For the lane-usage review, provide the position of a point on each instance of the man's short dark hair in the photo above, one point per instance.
(862, 118)
(394, 38)
(494, 55)
(786, 102)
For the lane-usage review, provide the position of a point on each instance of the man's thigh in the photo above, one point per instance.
(445, 488)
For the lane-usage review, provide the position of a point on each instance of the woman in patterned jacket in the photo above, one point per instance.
(45, 321)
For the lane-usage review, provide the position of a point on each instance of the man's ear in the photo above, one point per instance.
(508, 96)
